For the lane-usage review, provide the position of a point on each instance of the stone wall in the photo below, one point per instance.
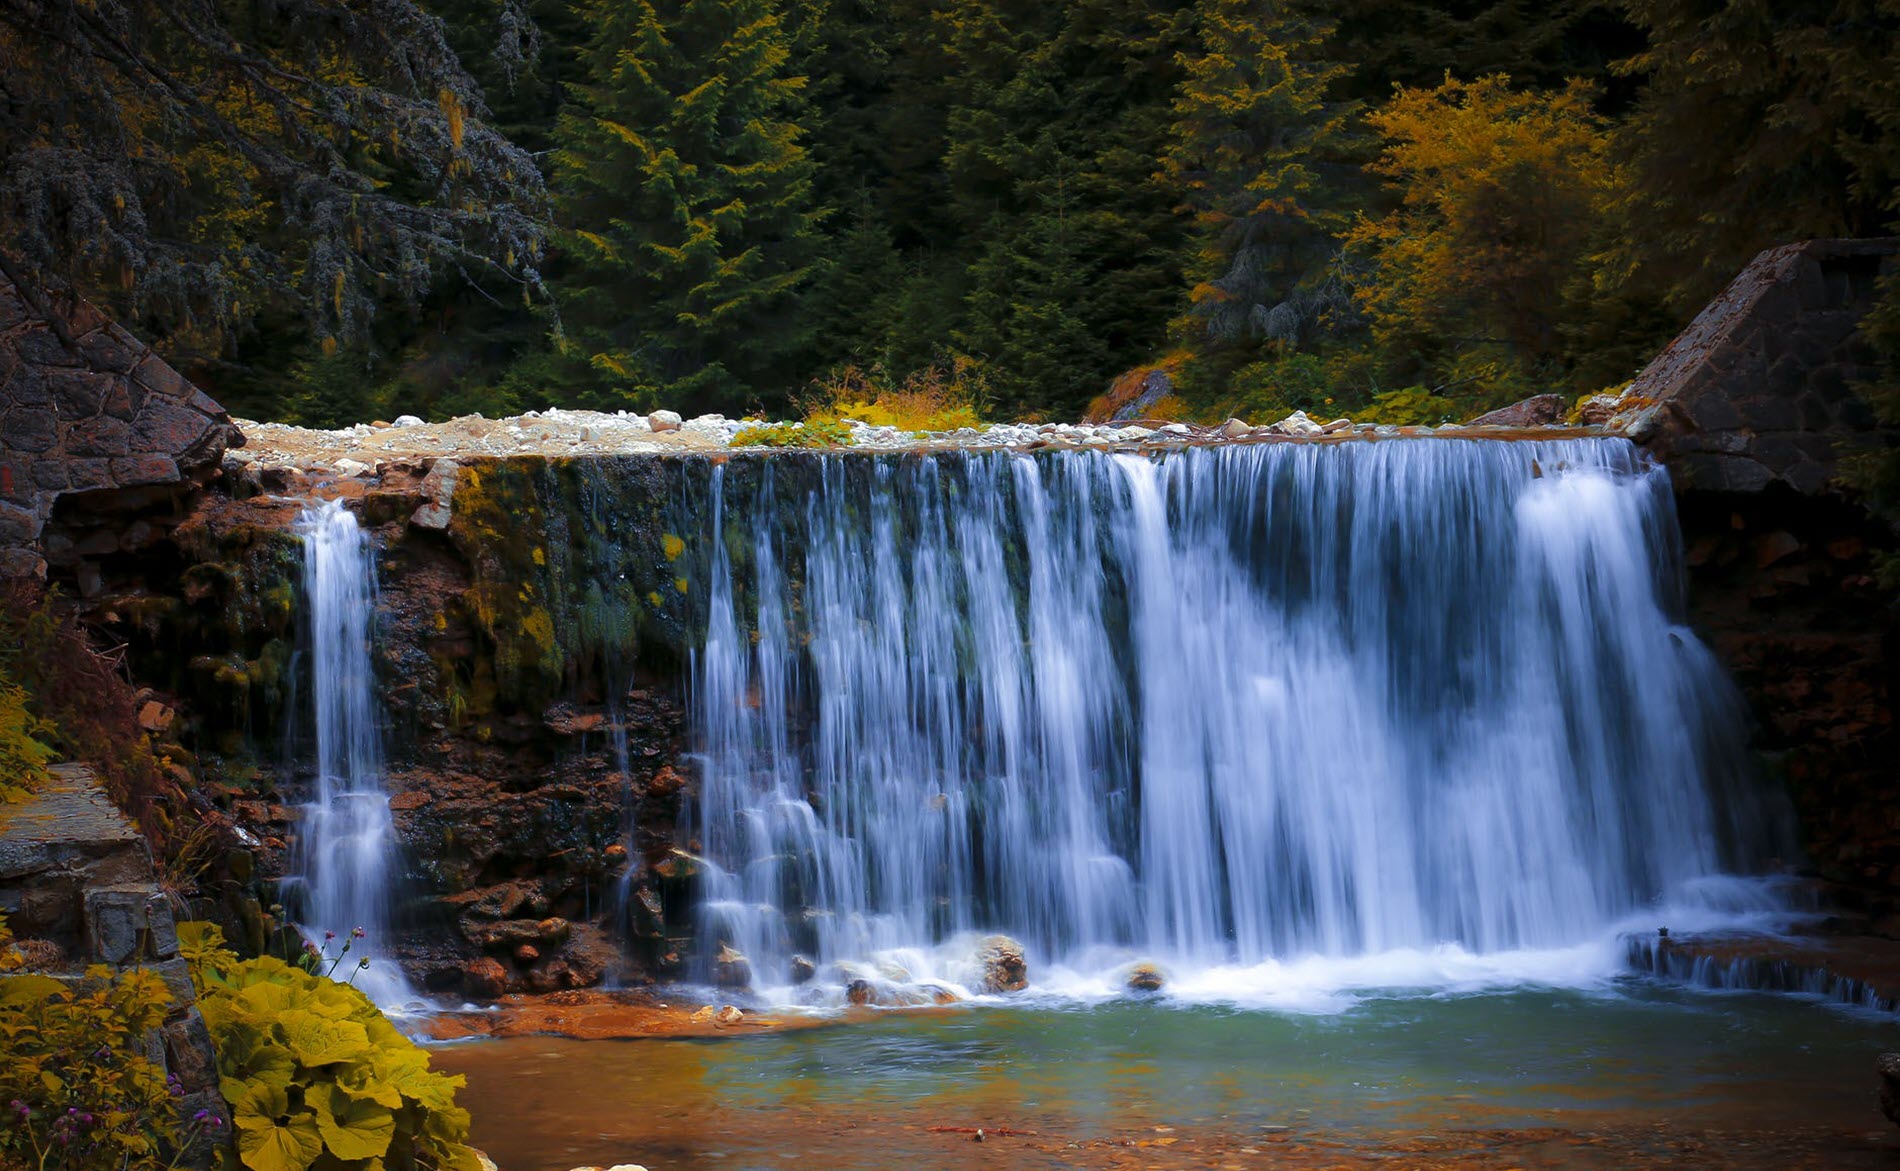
(85, 407)
(1759, 389)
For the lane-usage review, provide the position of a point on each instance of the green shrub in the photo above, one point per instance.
(23, 757)
(76, 1089)
(816, 433)
(1412, 406)
(315, 1075)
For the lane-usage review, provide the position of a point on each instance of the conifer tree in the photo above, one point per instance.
(684, 204)
(1263, 161)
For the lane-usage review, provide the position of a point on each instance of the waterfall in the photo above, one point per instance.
(346, 847)
(1232, 709)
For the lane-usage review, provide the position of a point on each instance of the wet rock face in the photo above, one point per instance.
(87, 408)
(1784, 589)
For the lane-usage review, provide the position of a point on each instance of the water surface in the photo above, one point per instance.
(1634, 1076)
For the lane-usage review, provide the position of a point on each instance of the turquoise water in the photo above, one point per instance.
(1641, 1075)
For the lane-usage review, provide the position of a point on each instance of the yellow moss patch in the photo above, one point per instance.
(680, 584)
(672, 546)
(653, 597)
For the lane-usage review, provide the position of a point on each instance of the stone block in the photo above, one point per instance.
(86, 474)
(1771, 413)
(130, 471)
(111, 349)
(22, 385)
(80, 394)
(18, 526)
(1712, 411)
(100, 436)
(130, 924)
(166, 425)
(17, 481)
(39, 346)
(33, 429)
(49, 474)
(22, 563)
(157, 376)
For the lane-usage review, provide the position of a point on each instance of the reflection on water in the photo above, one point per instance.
(1528, 1078)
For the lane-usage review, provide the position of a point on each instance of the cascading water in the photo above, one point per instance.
(1235, 709)
(347, 840)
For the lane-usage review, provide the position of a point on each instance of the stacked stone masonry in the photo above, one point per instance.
(91, 411)
(1761, 387)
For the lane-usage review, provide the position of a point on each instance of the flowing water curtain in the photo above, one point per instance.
(347, 851)
(1227, 705)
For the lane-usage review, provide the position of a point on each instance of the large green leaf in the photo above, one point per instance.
(352, 1128)
(251, 1057)
(362, 1079)
(269, 1137)
(319, 1040)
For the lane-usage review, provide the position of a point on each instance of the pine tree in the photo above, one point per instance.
(1264, 162)
(685, 207)
(1757, 124)
(1060, 112)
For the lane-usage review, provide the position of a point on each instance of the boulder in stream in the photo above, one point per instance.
(1145, 976)
(1000, 959)
(731, 969)
(1888, 1065)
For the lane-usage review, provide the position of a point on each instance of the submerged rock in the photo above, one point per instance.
(1145, 977)
(803, 970)
(1000, 959)
(732, 969)
(860, 992)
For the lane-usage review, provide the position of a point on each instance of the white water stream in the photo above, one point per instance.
(347, 847)
(1289, 719)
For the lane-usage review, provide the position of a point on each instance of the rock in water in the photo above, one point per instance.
(860, 992)
(1001, 960)
(731, 969)
(1297, 423)
(803, 970)
(1235, 428)
(1145, 977)
(1889, 1066)
(485, 978)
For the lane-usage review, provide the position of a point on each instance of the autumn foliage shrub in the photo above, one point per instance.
(315, 1075)
(77, 1091)
(80, 703)
(946, 395)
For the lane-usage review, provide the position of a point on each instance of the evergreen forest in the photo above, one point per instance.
(328, 211)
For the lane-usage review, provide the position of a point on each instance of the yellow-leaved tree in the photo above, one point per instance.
(1502, 196)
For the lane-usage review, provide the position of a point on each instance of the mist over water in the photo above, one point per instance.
(347, 858)
(1287, 719)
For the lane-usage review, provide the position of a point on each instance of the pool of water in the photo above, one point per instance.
(1634, 1075)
